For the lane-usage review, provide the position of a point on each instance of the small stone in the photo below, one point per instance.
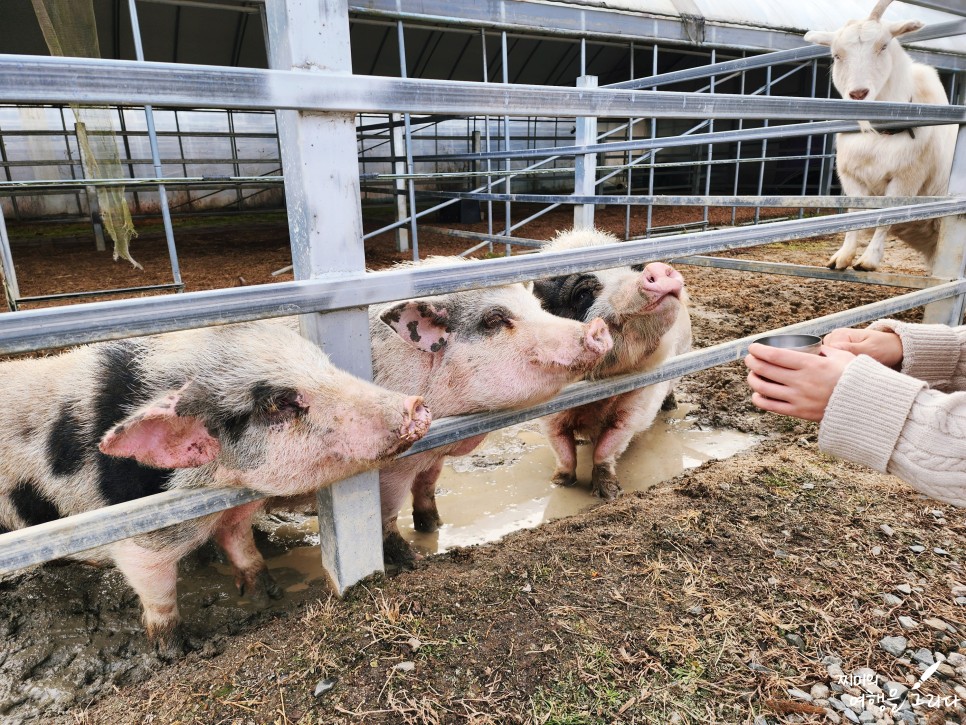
(808, 486)
(917, 548)
(850, 715)
(781, 554)
(772, 580)
(799, 694)
(414, 644)
(956, 659)
(853, 703)
(876, 550)
(759, 720)
(697, 609)
(960, 692)
(904, 589)
(835, 672)
(836, 687)
(831, 660)
(937, 513)
(836, 703)
(886, 529)
(924, 656)
(866, 717)
(324, 686)
(940, 552)
(880, 613)
(894, 691)
(893, 645)
(754, 666)
(832, 716)
(960, 600)
(946, 671)
(935, 623)
(891, 599)
(908, 623)
(795, 641)
(407, 666)
(958, 590)
(819, 692)
(526, 588)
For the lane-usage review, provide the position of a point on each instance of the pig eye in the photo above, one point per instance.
(496, 318)
(277, 405)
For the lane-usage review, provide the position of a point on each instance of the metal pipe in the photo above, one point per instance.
(155, 153)
(37, 79)
(63, 326)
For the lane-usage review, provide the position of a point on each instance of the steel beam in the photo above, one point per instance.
(323, 201)
(35, 79)
(950, 257)
(63, 326)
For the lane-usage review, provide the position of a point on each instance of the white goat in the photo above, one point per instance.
(870, 65)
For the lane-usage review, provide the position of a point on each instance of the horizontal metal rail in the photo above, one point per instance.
(759, 133)
(99, 293)
(35, 79)
(764, 60)
(193, 181)
(75, 534)
(63, 326)
(808, 202)
(887, 279)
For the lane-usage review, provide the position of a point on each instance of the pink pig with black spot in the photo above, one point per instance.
(645, 308)
(469, 352)
(252, 405)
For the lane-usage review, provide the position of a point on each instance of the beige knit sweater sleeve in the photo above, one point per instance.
(902, 423)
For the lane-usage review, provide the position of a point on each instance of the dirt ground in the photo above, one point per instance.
(703, 600)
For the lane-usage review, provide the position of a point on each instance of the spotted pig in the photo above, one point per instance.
(468, 352)
(251, 405)
(645, 308)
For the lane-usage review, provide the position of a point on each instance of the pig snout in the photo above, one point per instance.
(658, 280)
(416, 419)
(597, 337)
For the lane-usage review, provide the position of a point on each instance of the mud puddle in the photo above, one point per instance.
(505, 485)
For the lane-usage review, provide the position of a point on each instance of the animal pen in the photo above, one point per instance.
(742, 128)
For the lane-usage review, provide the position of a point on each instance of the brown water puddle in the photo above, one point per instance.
(505, 485)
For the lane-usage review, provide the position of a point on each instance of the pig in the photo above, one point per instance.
(252, 405)
(468, 352)
(645, 307)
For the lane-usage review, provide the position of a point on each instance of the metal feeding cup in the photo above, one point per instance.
(800, 343)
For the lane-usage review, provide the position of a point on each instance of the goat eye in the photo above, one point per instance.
(836, 57)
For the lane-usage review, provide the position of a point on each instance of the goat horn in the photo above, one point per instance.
(879, 8)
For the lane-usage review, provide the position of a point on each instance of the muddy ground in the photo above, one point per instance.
(702, 600)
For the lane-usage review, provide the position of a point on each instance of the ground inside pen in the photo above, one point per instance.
(735, 589)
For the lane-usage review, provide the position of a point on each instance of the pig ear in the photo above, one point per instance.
(819, 37)
(420, 323)
(156, 436)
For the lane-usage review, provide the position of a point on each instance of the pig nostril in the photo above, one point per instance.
(859, 94)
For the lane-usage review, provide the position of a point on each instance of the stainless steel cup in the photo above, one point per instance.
(801, 343)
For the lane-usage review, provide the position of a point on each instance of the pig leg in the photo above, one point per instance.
(153, 574)
(426, 516)
(561, 436)
(395, 481)
(233, 534)
(634, 413)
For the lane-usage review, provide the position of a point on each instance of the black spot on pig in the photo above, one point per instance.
(4, 529)
(570, 296)
(413, 327)
(67, 446)
(273, 404)
(31, 505)
(438, 345)
(119, 389)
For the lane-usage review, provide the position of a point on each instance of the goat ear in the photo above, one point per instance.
(819, 37)
(904, 26)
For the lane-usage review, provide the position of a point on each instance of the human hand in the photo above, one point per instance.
(794, 383)
(883, 346)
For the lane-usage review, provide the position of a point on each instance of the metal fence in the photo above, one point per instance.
(317, 101)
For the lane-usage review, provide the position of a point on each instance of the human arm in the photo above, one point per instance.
(933, 353)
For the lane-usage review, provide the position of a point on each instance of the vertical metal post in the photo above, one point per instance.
(507, 162)
(486, 132)
(4, 161)
(397, 144)
(410, 165)
(127, 152)
(707, 178)
(156, 154)
(90, 193)
(950, 259)
(323, 197)
(236, 168)
(734, 209)
(12, 290)
(627, 159)
(585, 166)
(764, 148)
(653, 165)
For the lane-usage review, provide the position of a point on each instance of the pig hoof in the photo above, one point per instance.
(604, 483)
(173, 644)
(564, 478)
(426, 521)
(261, 589)
(397, 551)
(670, 402)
